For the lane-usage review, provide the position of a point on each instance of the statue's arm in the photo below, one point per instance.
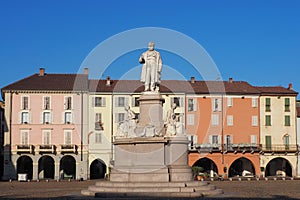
(142, 58)
(159, 62)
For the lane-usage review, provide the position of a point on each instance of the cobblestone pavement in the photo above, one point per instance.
(52, 190)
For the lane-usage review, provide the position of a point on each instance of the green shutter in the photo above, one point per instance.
(268, 120)
(287, 120)
(268, 104)
(287, 104)
(268, 142)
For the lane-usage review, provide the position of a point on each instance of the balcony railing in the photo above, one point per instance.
(235, 148)
(68, 148)
(25, 149)
(47, 149)
(292, 148)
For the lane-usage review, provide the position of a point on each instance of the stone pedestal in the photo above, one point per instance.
(151, 110)
(154, 159)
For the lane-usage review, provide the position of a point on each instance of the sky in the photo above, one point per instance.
(257, 41)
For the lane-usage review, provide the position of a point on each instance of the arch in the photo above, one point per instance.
(97, 169)
(241, 167)
(67, 167)
(208, 165)
(46, 168)
(279, 167)
(25, 166)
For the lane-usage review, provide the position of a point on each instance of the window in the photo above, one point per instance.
(25, 117)
(214, 139)
(68, 103)
(287, 104)
(217, 105)
(287, 120)
(215, 119)
(68, 117)
(268, 104)
(229, 102)
(46, 136)
(228, 141)
(46, 118)
(268, 120)
(25, 103)
(190, 119)
(192, 105)
(254, 102)
(99, 101)
(67, 137)
(229, 120)
(121, 101)
(254, 120)
(98, 122)
(46, 103)
(193, 140)
(97, 137)
(286, 141)
(135, 102)
(24, 137)
(268, 142)
(253, 139)
(177, 100)
(119, 117)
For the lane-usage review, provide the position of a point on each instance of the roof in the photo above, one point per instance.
(176, 86)
(51, 82)
(276, 90)
(80, 82)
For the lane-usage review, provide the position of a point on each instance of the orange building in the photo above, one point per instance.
(222, 120)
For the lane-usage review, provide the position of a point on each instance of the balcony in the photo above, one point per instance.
(227, 148)
(207, 148)
(25, 149)
(68, 148)
(280, 148)
(47, 149)
(242, 148)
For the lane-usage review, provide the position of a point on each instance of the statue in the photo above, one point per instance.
(127, 127)
(170, 121)
(173, 123)
(151, 70)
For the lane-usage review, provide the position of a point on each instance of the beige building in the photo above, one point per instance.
(107, 100)
(278, 131)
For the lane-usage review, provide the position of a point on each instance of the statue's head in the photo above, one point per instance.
(151, 46)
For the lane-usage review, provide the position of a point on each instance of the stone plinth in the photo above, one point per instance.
(152, 159)
(151, 110)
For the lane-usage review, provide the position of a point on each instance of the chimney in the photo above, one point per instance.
(230, 80)
(86, 71)
(42, 72)
(192, 79)
(108, 81)
(290, 86)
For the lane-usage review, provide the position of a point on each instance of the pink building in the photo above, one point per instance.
(45, 136)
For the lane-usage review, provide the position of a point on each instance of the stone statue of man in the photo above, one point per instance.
(151, 70)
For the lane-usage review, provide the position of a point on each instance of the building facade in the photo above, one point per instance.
(225, 129)
(298, 136)
(278, 134)
(46, 127)
(2, 128)
(62, 126)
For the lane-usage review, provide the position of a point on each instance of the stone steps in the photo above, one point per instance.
(149, 184)
(105, 189)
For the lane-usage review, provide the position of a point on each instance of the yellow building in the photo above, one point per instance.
(278, 131)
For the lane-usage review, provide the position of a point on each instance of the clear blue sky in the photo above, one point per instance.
(257, 41)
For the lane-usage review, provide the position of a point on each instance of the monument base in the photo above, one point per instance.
(155, 159)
